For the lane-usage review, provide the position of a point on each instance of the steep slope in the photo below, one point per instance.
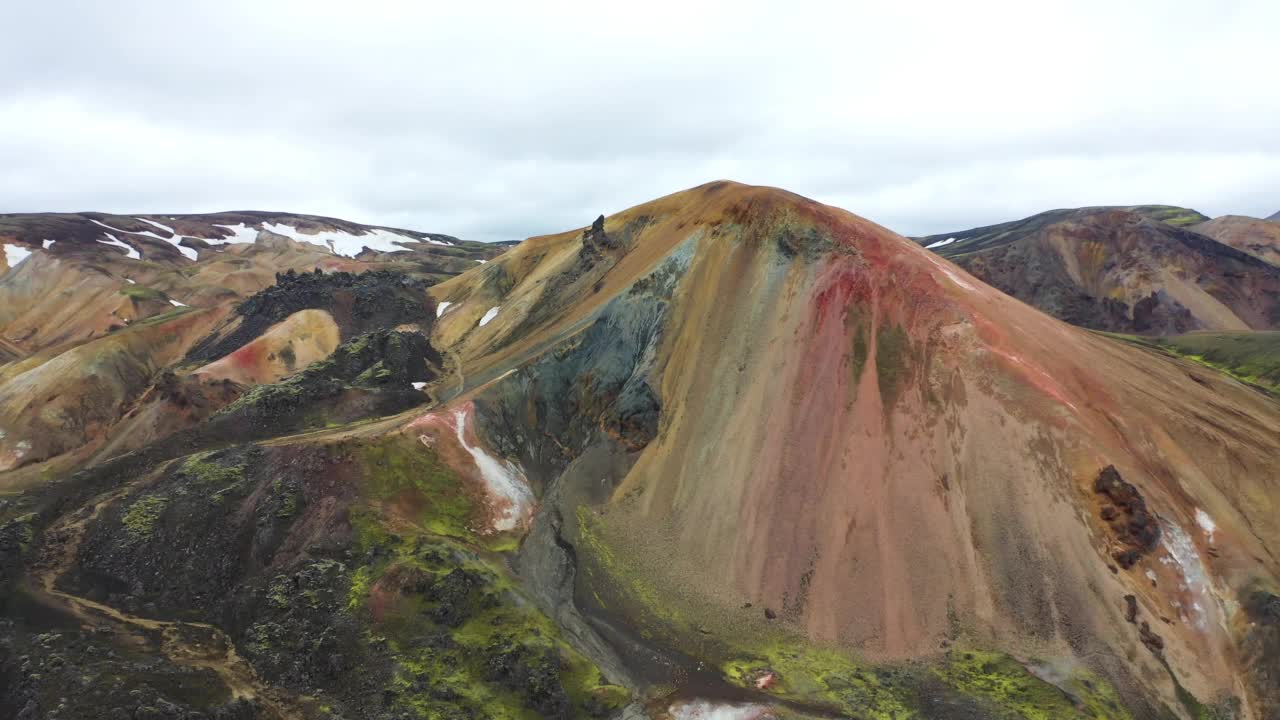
(795, 427)
(1260, 238)
(730, 453)
(1275, 217)
(1137, 270)
(59, 402)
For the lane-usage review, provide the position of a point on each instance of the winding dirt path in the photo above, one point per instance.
(193, 644)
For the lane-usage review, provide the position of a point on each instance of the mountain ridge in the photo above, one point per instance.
(728, 453)
(1122, 269)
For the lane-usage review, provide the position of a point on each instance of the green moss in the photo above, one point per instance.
(281, 394)
(489, 651)
(858, 353)
(1250, 357)
(141, 517)
(20, 530)
(360, 580)
(827, 679)
(202, 469)
(465, 641)
(1017, 694)
(403, 472)
(289, 505)
(162, 317)
(892, 357)
(652, 613)
(1175, 216)
(141, 293)
(278, 592)
(376, 374)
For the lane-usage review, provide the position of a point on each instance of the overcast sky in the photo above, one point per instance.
(498, 121)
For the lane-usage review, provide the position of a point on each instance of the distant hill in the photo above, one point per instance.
(1138, 269)
(75, 276)
(1260, 238)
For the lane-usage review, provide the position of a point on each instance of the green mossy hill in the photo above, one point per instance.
(398, 472)
(1171, 215)
(360, 302)
(1250, 357)
(382, 359)
(464, 641)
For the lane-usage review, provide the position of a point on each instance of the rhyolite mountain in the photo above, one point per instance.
(1260, 238)
(76, 275)
(1143, 269)
(727, 454)
(96, 306)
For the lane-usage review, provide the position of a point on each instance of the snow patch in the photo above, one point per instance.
(503, 480)
(706, 710)
(350, 244)
(489, 315)
(940, 243)
(175, 303)
(47, 244)
(175, 240)
(1187, 559)
(941, 265)
(1206, 523)
(14, 254)
(240, 233)
(441, 307)
(418, 385)
(133, 254)
(131, 282)
(165, 228)
(482, 262)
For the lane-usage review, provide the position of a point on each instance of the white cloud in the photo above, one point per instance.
(501, 122)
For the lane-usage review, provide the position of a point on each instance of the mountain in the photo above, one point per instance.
(99, 305)
(1260, 238)
(1136, 269)
(86, 273)
(730, 453)
(1275, 217)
